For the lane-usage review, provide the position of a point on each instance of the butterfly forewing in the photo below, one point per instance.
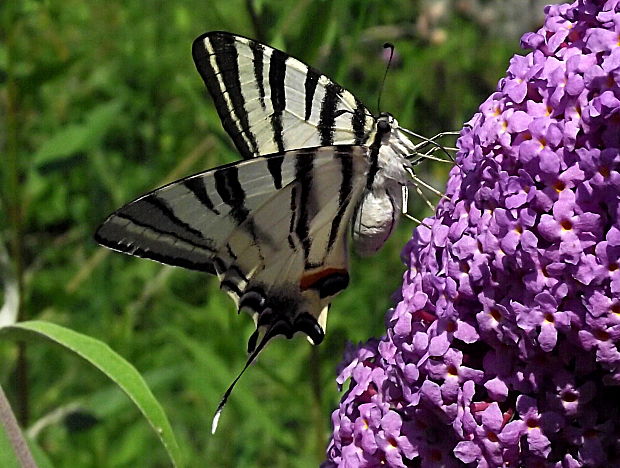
(271, 102)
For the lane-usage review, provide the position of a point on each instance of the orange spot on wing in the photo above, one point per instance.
(311, 279)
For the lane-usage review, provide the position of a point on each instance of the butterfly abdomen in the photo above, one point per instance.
(378, 212)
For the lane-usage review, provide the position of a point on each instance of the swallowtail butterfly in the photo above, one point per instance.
(274, 226)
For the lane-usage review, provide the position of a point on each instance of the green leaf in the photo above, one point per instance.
(84, 136)
(114, 366)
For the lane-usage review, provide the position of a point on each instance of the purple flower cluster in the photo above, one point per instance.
(504, 347)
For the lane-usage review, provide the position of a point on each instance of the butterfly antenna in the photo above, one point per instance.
(218, 412)
(390, 46)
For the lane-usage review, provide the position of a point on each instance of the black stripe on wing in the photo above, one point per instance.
(197, 187)
(277, 73)
(312, 79)
(226, 74)
(358, 122)
(346, 187)
(258, 51)
(275, 169)
(230, 190)
(303, 170)
(114, 233)
(327, 120)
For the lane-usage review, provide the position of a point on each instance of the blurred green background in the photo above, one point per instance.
(100, 102)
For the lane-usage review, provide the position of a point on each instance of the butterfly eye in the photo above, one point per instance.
(383, 127)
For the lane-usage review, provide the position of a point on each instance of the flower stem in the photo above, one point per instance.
(317, 403)
(14, 433)
(12, 196)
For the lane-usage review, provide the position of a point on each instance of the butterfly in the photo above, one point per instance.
(274, 227)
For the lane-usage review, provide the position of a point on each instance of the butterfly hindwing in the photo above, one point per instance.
(188, 222)
(274, 229)
(311, 264)
(271, 102)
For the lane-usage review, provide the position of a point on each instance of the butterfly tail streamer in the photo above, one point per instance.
(271, 332)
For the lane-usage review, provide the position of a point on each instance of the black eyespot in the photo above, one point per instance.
(282, 327)
(307, 324)
(252, 300)
(332, 284)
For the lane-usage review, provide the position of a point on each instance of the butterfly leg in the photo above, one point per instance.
(432, 141)
(404, 208)
(429, 155)
(417, 182)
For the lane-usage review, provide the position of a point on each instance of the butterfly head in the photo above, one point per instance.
(390, 133)
(385, 123)
(395, 145)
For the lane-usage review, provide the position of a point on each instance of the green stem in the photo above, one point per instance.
(16, 438)
(13, 196)
(256, 21)
(22, 386)
(317, 403)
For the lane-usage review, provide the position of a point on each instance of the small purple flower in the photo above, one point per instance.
(504, 349)
(572, 231)
(395, 445)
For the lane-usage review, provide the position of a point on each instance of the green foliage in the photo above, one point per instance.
(113, 366)
(102, 103)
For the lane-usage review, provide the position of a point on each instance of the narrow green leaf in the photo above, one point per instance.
(115, 367)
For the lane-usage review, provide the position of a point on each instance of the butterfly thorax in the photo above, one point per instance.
(379, 210)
